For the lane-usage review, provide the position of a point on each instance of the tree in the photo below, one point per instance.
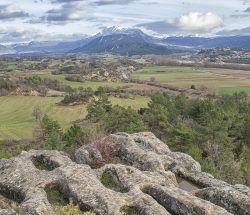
(156, 117)
(38, 113)
(156, 120)
(181, 137)
(74, 136)
(121, 119)
(99, 108)
(245, 166)
(245, 130)
(51, 134)
(181, 105)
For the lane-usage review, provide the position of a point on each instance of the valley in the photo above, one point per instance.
(16, 109)
(66, 103)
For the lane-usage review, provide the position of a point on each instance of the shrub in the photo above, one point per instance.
(106, 149)
(193, 87)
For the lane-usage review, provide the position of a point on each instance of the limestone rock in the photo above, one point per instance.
(147, 153)
(7, 212)
(114, 174)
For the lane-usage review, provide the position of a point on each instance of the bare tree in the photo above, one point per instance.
(38, 113)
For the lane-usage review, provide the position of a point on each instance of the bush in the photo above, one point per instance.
(193, 87)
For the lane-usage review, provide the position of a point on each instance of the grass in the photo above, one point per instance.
(130, 211)
(68, 210)
(16, 117)
(231, 90)
(54, 196)
(216, 80)
(40, 164)
(17, 122)
(108, 181)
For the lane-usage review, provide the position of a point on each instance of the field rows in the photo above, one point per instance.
(216, 80)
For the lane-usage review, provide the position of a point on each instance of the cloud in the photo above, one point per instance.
(199, 22)
(240, 16)
(65, 1)
(68, 12)
(113, 2)
(8, 12)
(245, 1)
(98, 2)
(192, 23)
(161, 27)
(18, 35)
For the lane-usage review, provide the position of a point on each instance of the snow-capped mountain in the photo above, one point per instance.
(127, 41)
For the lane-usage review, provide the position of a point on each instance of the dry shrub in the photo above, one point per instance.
(106, 148)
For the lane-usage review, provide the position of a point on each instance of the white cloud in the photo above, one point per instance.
(8, 12)
(199, 22)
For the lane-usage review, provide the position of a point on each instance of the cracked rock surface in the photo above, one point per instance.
(118, 172)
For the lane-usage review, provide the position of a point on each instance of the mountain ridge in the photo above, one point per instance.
(127, 41)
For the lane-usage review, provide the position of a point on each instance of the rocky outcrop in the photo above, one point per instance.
(115, 175)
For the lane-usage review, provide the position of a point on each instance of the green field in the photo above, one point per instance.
(16, 121)
(216, 80)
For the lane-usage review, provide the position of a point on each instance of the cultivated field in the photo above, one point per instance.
(17, 122)
(216, 80)
(16, 113)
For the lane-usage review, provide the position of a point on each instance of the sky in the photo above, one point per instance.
(32, 20)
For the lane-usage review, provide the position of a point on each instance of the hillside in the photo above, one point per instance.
(122, 44)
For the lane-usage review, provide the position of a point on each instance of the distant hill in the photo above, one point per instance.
(6, 50)
(49, 46)
(215, 42)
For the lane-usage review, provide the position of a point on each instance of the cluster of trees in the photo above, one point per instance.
(114, 118)
(6, 86)
(51, 136)
(37, 82)
(86, 95)
(82, 95)
(214, 132)
(75, 78)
